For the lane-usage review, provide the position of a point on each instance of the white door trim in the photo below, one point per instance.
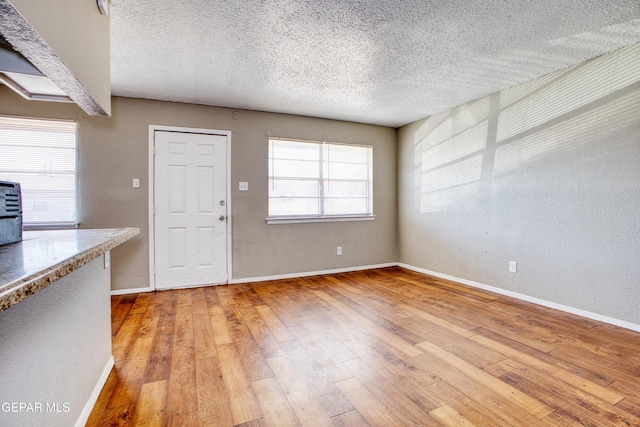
(151, 204)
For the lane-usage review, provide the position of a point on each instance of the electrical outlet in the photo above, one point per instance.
(107, 259)
(339, 250)
(513, 267)
(243, 186)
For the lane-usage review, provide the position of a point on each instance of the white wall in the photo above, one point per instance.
(54, 348)
(546, 174)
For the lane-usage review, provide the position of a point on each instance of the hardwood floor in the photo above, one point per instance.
(385, 347)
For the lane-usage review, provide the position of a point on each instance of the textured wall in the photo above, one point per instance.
(54, 347)
(546, 174)
(113, 150)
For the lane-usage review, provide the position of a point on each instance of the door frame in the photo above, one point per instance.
(151, 195)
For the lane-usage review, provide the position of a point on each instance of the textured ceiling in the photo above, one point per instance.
(380, 62)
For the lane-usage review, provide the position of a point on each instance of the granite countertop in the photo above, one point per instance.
(42, 257)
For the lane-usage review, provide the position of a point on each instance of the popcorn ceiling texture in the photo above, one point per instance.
(381, 62)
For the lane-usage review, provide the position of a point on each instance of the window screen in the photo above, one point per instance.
(309, 179)
(41, 156)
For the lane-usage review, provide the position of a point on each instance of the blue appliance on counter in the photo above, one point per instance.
(10, 212)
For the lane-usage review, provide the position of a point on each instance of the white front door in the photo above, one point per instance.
(190, 200)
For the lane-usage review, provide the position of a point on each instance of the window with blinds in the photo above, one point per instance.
(41, 156)
(311, 180)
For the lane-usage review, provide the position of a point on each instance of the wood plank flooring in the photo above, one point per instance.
(386, 347)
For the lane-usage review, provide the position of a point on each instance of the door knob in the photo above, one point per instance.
(222, 217)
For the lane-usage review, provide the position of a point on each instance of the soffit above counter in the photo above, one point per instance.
(68, 43)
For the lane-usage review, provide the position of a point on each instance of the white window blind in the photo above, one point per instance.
(41, 156)
(320, 180)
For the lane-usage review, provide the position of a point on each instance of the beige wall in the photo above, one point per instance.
(55, 347)
(546, 174)
(113, 150)
(79, 35)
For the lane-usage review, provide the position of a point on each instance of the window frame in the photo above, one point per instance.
(307, 218)
(58, 224)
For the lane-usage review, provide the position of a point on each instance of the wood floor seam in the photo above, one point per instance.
(382, 347)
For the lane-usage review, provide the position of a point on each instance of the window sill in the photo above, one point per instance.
(37, 226)
(300, 220)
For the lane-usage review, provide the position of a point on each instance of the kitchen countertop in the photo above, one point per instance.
(42, 257)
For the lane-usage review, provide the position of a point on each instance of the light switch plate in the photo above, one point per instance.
(136, 183)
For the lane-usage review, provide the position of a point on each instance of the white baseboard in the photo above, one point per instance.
(523, 297)
(130, 291)
(309, 273)
(266, 278)
(86, 411)
(516, 295)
